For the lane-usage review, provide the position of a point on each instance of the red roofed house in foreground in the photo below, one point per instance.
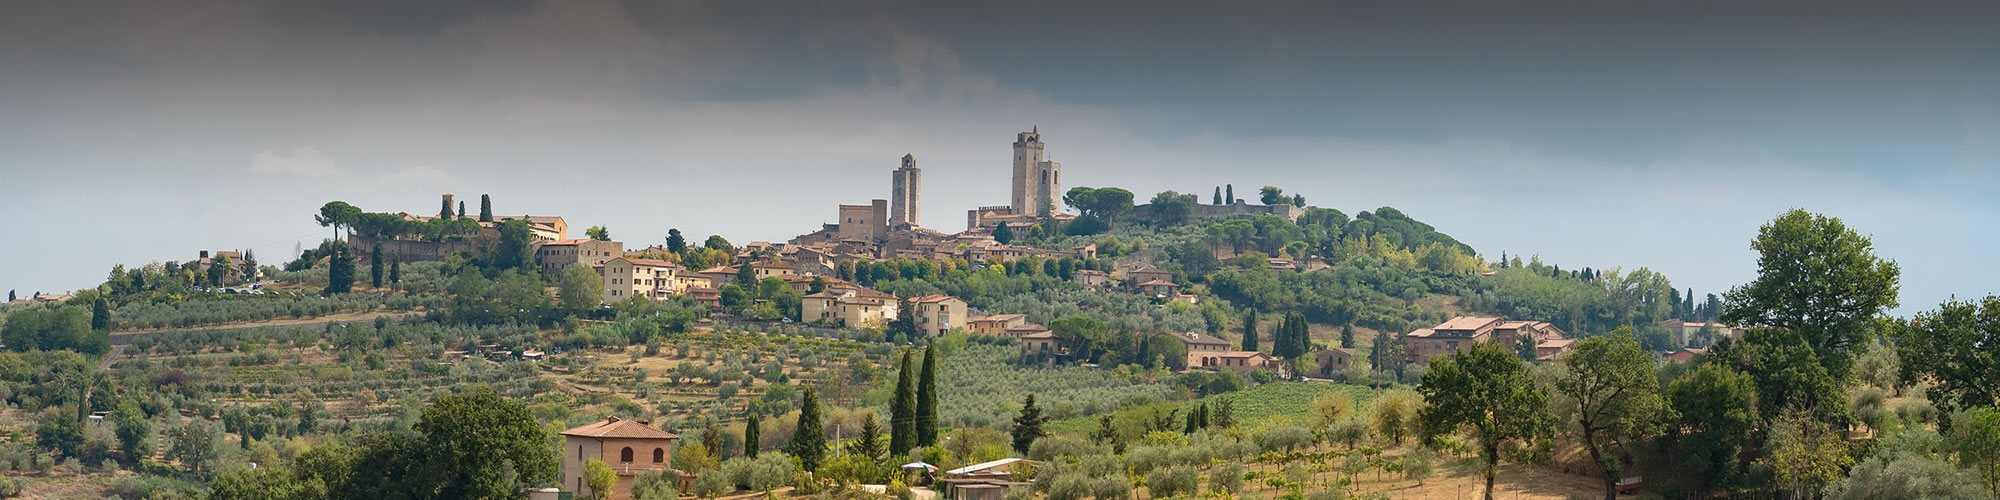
(630, 447)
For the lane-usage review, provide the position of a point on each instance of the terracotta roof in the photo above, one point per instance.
(998, 317)
(1466, 323)
(1089, 272)
(1241, 354)
(1028, 327)
(1044, 334)
(614, 427)
(552, 243)
(1159, 283)
(648, 262)
(932, 298)
(1421, 332)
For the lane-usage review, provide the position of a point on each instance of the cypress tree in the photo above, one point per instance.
(751, 431)
(1229, 193)
(1203, 410)
(1191, 423)
(461, 209)
(746, 275)
(927, 429)
(903, 411)
(11, 297)
(1217, 200)
(340, 270)
(1002, 234)
(809, 441)
(396, 272)
(1347, 336)
(1250, 330)
(1028, 425)
(100, 315)
(485, 208)
(375, 266)
(444, 210)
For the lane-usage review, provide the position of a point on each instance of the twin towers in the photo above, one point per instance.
(1037, 183)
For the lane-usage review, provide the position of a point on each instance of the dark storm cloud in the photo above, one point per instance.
(1564, 128)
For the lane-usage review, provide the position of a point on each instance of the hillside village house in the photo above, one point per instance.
(1090, 278)
(625, 277)
(547, 227)
(1459, 334)
(1041, 345)
(937, 314)
(630, 447)
(1202, 350)
(1239, 361)
(852, 306)
(1686, 332)
(758, 270)
(994, 324)
(555, 255)
(1333, 361)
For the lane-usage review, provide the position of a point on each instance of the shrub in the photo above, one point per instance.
(1172, 481)
(1226, 479)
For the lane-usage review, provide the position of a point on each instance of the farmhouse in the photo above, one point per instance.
(630, 447)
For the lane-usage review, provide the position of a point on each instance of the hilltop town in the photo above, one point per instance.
(1070, 343)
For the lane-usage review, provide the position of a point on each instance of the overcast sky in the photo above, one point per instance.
(1601, 134)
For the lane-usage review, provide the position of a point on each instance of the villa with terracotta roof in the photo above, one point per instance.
(994, 324)
(848, 305)
(937, 314)
(630, 447)
(1202, 349)
(1458, 334)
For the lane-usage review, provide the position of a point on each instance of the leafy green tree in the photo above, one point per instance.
(1787, 373)
(1975, 436)
(598, 233)
(752, 433)
(1490, 391)
(581, 288)
(1003, 234)
(516, 247)
(657, 485)
(717, 242)
(60, 431)
(196, 446)
(339, 271)
(1028, 425)
(485, 208)
(1169, 208)
(338, 215)
(1271, 195)
(1906, 475)
(1394, 413)
(1953, 347)
(264, 483)
(134, 431)
(675, 242)
(1106, 204)
(598, 479)
(375, 267)
(1250, 329)
(927, 418)
(809, 438)
(903, 410)
(100, 314)
(1819, 278)
(484, 446)
(1299, 200)
(1805, 455)
(1609, 383)
(1717, 410)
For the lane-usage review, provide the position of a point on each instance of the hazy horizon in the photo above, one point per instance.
(1598, 135)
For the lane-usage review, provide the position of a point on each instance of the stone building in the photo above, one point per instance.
(625, 277)
(865, 222)
(937, 314)
(630, 447)
(905, 188)
(555, 255)
(1037, 181)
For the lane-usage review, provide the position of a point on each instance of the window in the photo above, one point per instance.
(625, 455)
(579, 452)
(659, 455)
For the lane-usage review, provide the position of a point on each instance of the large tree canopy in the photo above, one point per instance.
(1955, 347)
(1817, 277)
(1490, 391)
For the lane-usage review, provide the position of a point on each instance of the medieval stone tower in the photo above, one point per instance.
(904, 202)
(1037, 181)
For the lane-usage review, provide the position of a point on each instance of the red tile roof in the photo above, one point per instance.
(615, 427)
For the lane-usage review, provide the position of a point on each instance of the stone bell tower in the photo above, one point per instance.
(904, 203)
(1037, 181)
